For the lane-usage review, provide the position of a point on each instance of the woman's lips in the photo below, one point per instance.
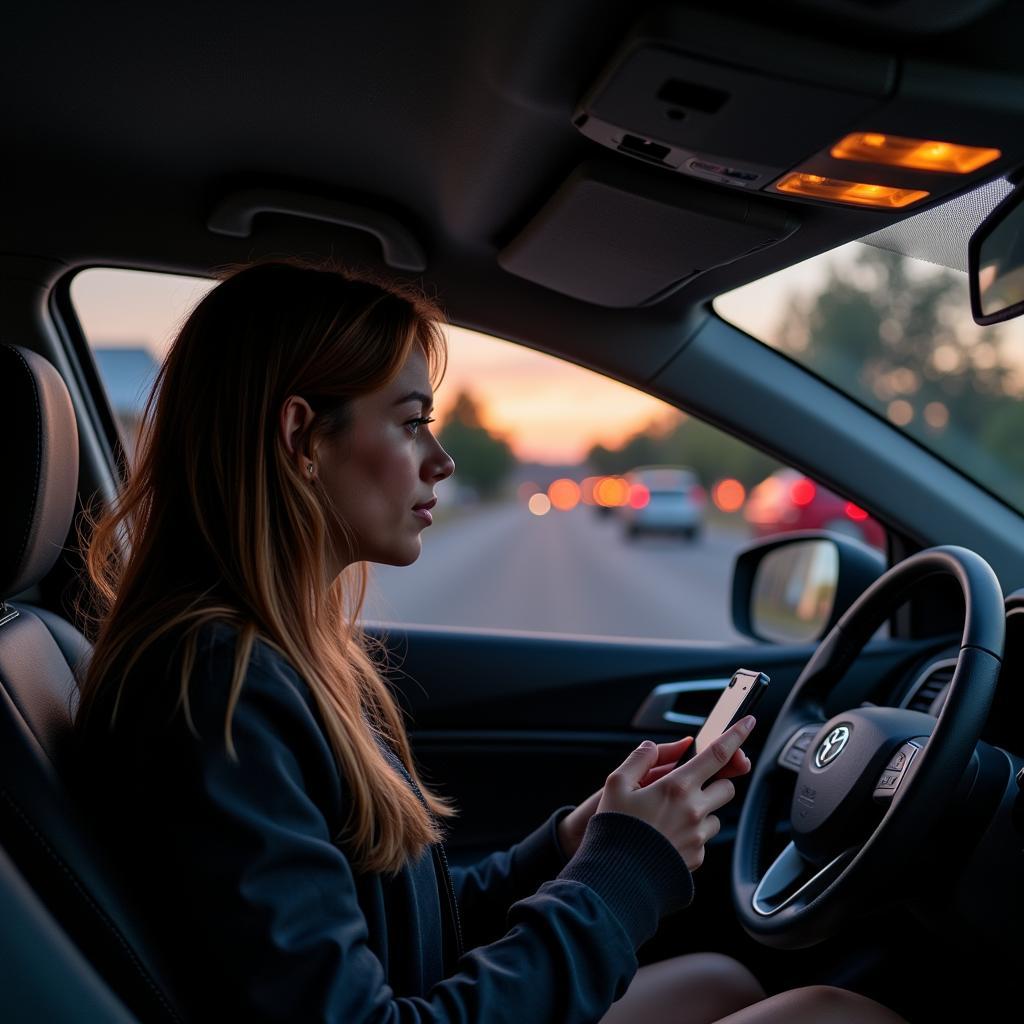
(423, 511)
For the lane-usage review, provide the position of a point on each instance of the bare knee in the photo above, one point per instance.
(711, 985)
(731, 976)
(825, 1004)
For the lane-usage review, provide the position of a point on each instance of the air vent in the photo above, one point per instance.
(929, 692)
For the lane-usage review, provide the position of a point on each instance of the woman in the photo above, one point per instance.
(246, 755)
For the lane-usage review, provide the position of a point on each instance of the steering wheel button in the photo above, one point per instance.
(889, 780)
(803, 741)
(899, 761)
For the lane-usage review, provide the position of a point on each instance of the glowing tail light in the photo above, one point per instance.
(639, 496)
(802, 493)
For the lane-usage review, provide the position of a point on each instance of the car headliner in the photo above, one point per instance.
(124, 130)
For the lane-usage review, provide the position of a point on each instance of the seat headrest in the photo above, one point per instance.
(39, 467)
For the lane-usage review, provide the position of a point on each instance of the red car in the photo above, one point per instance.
(787, 500)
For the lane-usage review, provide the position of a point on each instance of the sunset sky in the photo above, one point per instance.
(548, 410)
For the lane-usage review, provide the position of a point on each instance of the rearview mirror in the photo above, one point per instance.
(995, 262)
(794, 587)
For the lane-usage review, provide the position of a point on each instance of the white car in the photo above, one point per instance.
(664, 499)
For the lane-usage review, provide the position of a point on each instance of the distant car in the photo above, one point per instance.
(664, 499)
(787, 500)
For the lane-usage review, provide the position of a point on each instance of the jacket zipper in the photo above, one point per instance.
(441, 861)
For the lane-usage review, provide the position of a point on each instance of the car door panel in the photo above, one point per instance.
(514, 726)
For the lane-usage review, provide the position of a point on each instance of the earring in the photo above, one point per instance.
(309, 468)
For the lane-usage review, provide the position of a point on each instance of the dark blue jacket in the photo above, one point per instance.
(268, 921)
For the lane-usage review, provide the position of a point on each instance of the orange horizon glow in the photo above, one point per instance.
(548, 410)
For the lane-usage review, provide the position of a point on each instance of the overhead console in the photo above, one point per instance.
(771, 112)
(699, 96)
(745, 128)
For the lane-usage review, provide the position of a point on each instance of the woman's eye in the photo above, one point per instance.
(414, 425)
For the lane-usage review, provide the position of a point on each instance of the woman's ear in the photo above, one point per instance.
(296, 417)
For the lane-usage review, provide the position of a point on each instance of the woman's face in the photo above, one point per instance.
(383, 465)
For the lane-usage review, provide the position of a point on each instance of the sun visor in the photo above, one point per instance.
(619, 235)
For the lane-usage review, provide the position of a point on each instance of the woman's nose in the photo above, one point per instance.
(443, 465)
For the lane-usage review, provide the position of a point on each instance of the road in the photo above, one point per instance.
(565, 572)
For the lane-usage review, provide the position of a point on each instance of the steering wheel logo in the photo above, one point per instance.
(832, 746)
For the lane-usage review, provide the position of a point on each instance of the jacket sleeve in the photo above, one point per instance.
(487, 889)
(274, 900)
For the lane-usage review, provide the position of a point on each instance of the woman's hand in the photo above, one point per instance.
(679, 804)
(574, 824)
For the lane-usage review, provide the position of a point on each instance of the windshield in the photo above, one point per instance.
(896, 334)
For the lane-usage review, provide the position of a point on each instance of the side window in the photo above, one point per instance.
(578, 506)
(129, 318)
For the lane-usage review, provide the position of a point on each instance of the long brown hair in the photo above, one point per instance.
(215, 523)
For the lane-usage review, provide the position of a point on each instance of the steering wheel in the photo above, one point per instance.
(869, 782)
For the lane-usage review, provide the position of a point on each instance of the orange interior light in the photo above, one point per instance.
(814, 186)
(920, 154)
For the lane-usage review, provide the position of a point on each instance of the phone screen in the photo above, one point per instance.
(736, 701)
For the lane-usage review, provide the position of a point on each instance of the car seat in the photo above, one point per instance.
(43, 829)
(42, 975)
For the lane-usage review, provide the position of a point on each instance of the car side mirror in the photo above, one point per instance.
(995, 262)
(794, 587)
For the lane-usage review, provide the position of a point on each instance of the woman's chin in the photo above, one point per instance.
(405, 555)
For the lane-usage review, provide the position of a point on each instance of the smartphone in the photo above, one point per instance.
(737, 701)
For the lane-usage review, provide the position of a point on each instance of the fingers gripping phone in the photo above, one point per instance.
(736, 701)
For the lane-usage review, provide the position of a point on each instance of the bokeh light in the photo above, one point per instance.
(564, 494)
(639, 496)
(802, 492)
(526, 490)
(728, 495)
(936, 415)
(900, 412)
(763, 505)
(611, 491)
(539, 504)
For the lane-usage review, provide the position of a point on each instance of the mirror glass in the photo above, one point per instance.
(794, 591)
(1001, 265)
